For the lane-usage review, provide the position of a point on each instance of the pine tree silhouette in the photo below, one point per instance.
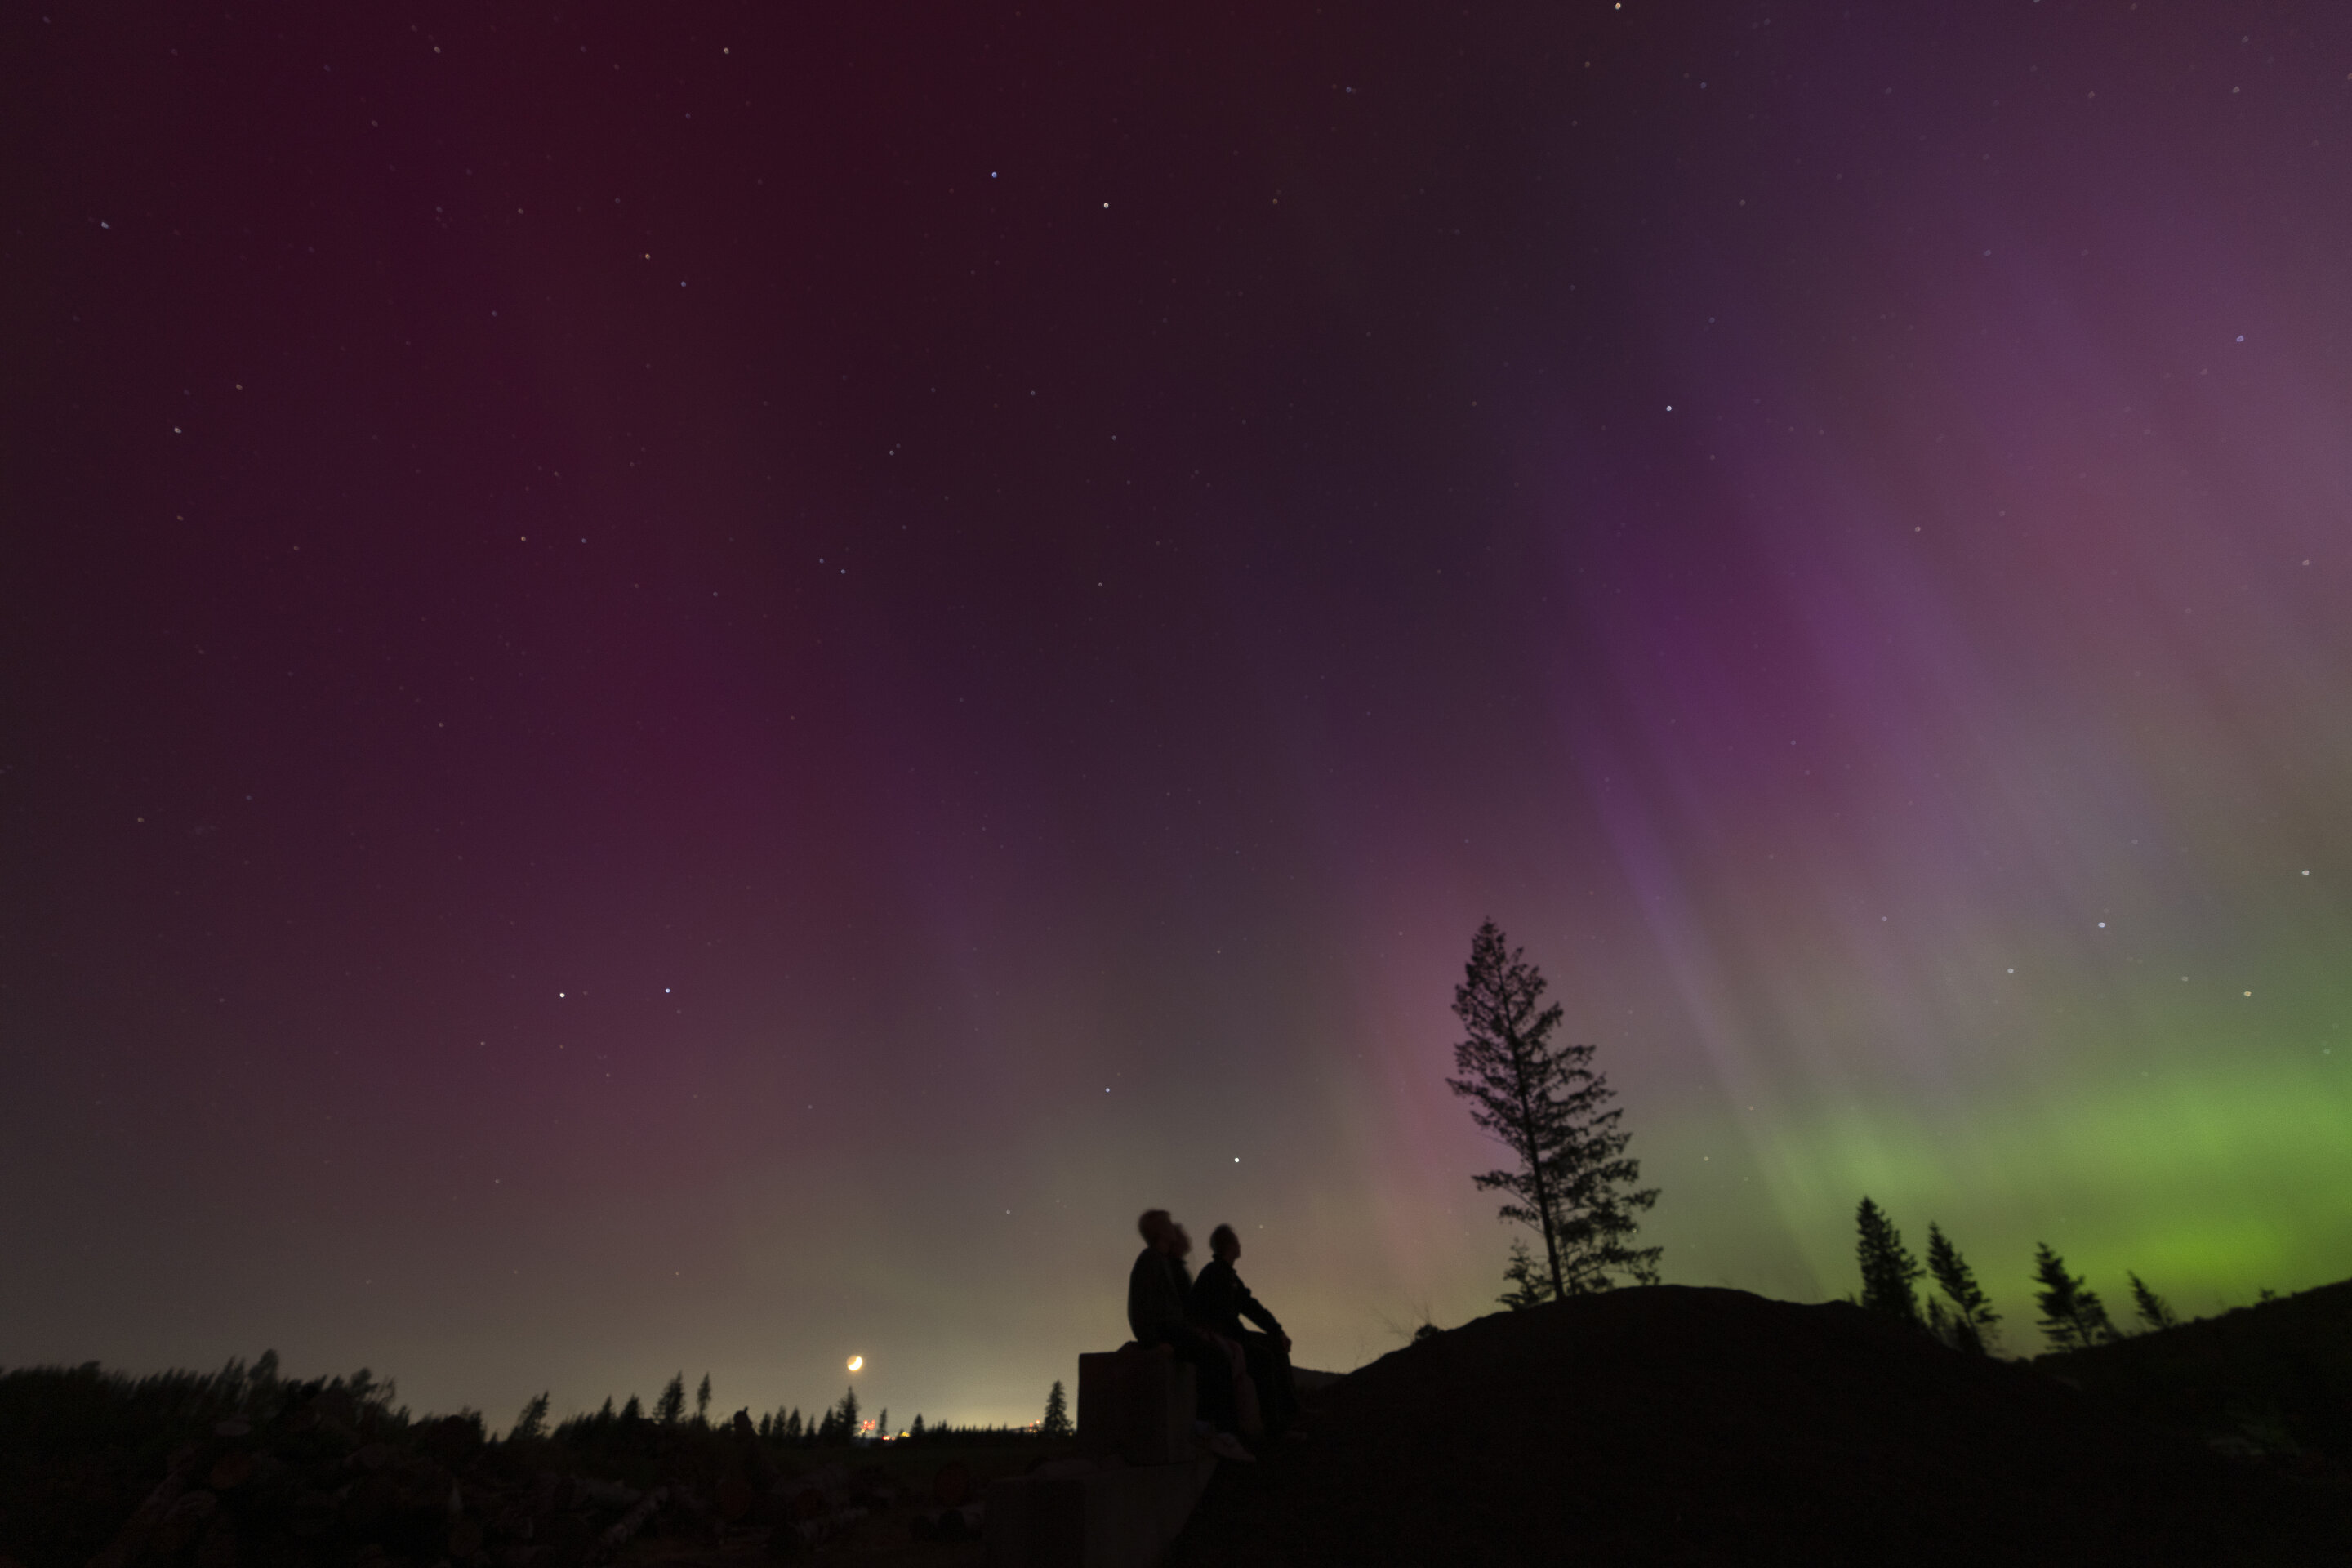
(2071, 1315)
(702, 1402)
(1887, 1268)
(1573, 1183)
(670, 1408)
(1972, 1322)
(1058, 1412)
(2154, 1309)
(532, 1422)
(1530, 1286)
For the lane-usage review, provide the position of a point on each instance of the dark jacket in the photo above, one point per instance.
(1156, 1289)
(1219, 1301)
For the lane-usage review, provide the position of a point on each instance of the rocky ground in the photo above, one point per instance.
(1673, 1425)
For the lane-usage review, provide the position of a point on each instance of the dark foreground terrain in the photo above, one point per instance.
(2274, 1379)
(1660, 1426)
(1672, 1424)
(240, 1470)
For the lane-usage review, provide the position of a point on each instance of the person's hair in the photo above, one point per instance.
(1223, 1237)
(1151, 1223)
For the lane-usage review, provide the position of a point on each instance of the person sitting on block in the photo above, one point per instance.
(1157, 1289)
(1219, 1301)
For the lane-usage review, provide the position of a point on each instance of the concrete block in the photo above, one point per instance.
(1091, 1513)
(1137, 1405)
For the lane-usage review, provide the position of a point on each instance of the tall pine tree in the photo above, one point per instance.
(1887, 1268)
(1972, 1322)
(1573, 1184)
(1058, 1412)
(2154, 1309)
(2071, 1314)
(672, 1404)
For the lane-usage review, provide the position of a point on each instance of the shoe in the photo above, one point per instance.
(1225, 1446)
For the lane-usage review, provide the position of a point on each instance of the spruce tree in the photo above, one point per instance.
(633, 1411)
(2071, 1315)
(1530, 1287)
(848, 1412)
(671, 1408)
(2096, 1324)
(917, 1429)
(1944, 1325)
(1972, 1318)
(793, 1426)
(532, 1422)
(2154, 1309)
(702, 1402)
(1887, 1268)
(1058, 1412)
(1573, 1183)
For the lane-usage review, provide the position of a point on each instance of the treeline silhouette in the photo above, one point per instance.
(336, 1461)
(86, 1408)
(2072, 1316)
(607, 1429)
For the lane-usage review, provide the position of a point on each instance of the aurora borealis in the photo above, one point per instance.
(702, 690)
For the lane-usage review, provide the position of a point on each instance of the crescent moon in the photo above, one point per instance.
(856, 1362)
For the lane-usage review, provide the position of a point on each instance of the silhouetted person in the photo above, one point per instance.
(1219, 1301)
(1159, 1289)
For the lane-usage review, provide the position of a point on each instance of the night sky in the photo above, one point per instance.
(699, 688)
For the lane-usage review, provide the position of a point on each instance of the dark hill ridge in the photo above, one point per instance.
(1675, 1425)
(2275, 1378)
